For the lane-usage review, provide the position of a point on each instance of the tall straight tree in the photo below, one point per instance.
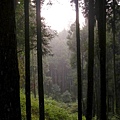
(90, 60)
(39, 60)
(9, 74)
(78, 63)
(27, 61)
(114, 63)
(102, 46)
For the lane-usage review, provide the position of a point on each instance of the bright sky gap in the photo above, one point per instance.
(60, 15)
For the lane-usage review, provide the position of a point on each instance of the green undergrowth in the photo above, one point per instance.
(53, 110)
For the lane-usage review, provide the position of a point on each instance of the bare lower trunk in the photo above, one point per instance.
(9, 75)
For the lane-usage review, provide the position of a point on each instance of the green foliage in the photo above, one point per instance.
(21, 70)
(47, 32)
(23, 107)
(47, 35)
(94, 118)
(59, 65)
(73, 107)
(55, 92)
(113, 117)
(53, 110)
(84, 54)
(66, 97)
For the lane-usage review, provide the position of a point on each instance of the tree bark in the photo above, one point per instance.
(27, 61)
(114, 58)
(9, 74)
(39, 61)
(90, 61)
(102, 46)
(79, 80)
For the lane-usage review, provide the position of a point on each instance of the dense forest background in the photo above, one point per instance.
(60, 61)
(59, 58)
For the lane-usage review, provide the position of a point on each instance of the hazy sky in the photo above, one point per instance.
(60, 15)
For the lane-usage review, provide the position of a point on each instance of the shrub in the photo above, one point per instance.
(66, 97)
(53, 110)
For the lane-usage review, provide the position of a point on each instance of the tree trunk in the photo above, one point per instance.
(39, 61)
(114, 61)
(9, 74)
(90, 61)
(79, 81)
(27, 61)
(102, 46)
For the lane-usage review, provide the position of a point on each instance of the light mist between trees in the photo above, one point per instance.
(46, 65)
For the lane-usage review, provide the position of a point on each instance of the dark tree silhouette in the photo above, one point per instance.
(102, 46)
(78, 63)
(114, 62)
(27, 61)
(90, 60)
(39, 59)
(9, 74)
